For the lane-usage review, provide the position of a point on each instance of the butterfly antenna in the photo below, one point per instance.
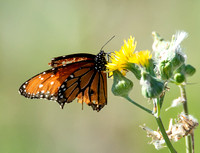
(107, 42)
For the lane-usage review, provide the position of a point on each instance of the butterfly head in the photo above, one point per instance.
(100, 61)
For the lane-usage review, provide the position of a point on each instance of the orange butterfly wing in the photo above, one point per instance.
(46, 84)
(72, 76)
(64, 60)
(88, 85)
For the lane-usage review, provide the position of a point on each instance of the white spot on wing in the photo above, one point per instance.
(41, 85)
(52, 83)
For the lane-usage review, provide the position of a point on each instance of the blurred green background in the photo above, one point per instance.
(34, 31)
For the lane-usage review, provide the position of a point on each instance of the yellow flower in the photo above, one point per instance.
(119, 59)
(126, 55)
(141, 58)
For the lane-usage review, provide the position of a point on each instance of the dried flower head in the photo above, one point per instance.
(184, 126)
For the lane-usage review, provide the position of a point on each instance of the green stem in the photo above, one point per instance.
(164, 134)
(184, 98)
(188, 144)
(188, 141)
(156, 102)
(138, 105)
(162, 99)
(156, 107)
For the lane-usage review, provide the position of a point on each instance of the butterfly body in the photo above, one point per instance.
(73, 76)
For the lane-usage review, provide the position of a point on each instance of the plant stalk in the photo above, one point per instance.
(162, 99)
(188, 142)
(156, 108)
(165, 136)
(138, 105)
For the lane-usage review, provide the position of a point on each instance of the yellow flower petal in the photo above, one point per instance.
(120, 59)
(141, 58)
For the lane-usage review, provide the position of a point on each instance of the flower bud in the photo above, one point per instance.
(177, 61)
(181, 69)
(151, 86)
(179, 77)
(182, 72)
(165, 69)
(189, 70)
(121, 85)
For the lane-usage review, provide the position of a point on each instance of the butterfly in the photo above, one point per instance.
(72, 76)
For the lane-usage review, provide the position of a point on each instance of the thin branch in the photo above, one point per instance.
(138, 105)
(188, 142)
(164, 134)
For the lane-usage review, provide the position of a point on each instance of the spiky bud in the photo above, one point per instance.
(151, 86)
(121, 85)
